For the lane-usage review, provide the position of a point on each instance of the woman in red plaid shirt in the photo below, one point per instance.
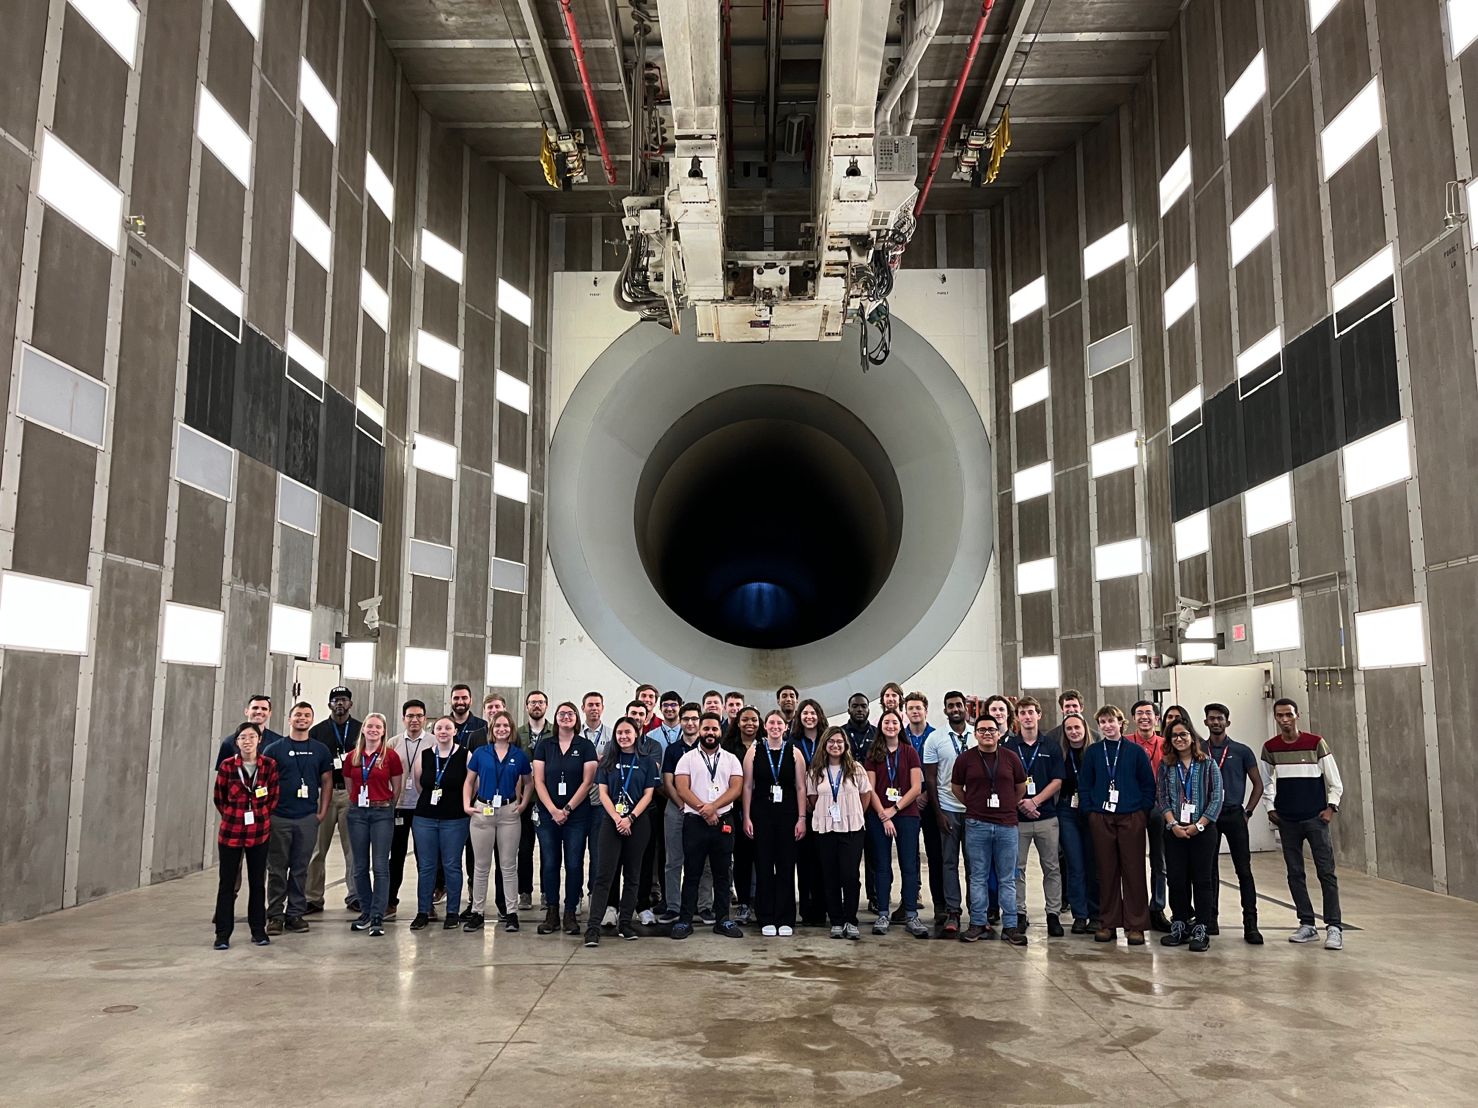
(245, 795)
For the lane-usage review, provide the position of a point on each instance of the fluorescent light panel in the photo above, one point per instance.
(37, 613)
(1113, 455)
(1379, 267)
(1176, 181)
(1462, 23)
(250, 13)
(374, 300)
(1379, 459)
(318, 102)
(369, 406)
(1261, 352)
(1028, 299)
(222, 136)
(434, 456)
(1037, 576)
(438, 354)
(425, 666)
(1180, 297)
(1348, 132)
(378, 185)
(1109, 250)
(289, 630)
(209, 280)
(510, 482)
(1031, 389)
(1472, 195)
(1032, 482)
(504, 671)
(192, 636)
(1268, 505)
(511, 391)
(116, 20)
(1118, 668)
(441, 256)
(1276, 627)
(74, 189)
(1254, 226)
(1203, 628)
(1245, 92)
(515, 303)
(310, 359)
(1118, 559)
(1186, 405)
(1198, 652)
(1192, 536)
(1390, 637)
(312, 233)
(1318, 9)
(358, 662)
(364, 536)
(1041, 672)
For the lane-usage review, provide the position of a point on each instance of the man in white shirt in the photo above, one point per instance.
(709, 780)
(941, 749)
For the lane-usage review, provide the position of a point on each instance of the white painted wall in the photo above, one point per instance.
(946, 306)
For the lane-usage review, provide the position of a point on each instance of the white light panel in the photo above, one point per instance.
(318, 102)
(359, 662)
(297, 505)
(55, 395)
(364, 536)
(1462, 23)
(1031, 389)
(1037, 576)
(1254, 226)
(374, 300)
(74, 189)
(511, 391)
(1198, 652)
(116, 20)
(1115, 454)
(1268, 505)
(508, 576)
(510, 482)
(1186, 405)
(223, 137)
(380, 190)
(515, 303)
(209, 280)
(1032, 482)
(1260, 352)
(1276, 627)
(310, 359)
(1118, 559)
(1109, 250)
(504, 671)
(1389, 637)
(434, 456)
(1118, 668)
(192, 636)
(1176, 180)
(1472, 194)
(1345, 135)
(250, 13)
(369, 406)
(203, 463)
(1180, 297)
(1365, 276)
(37, 613)
(290, 630)
(441, 256)
(1379, 459)
(425, 666)
(1041, 672)
(1318, 9)
(431, 559)
(1192, 536)
(1245, 92)
(1203, 628)
(312, 233)
(438, 354)
(1028, 299)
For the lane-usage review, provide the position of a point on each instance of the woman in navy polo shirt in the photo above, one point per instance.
(626, 782)
(897, 778)
(564, 775)
(497, 791)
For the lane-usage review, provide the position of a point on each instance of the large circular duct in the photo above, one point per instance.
(741, 515)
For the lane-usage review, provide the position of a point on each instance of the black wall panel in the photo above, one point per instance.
(336, 458)
(210, 375)
(301, 416)
(1313, 394)
(1222, 431)
(1265, 432)
(369, 477)
(1188, 493)
(1367, 363)
(260, 378)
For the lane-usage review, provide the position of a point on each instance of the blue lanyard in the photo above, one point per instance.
(440, 765)
(835, 782)
(626, 777)
(1077, 761)
(807, 748)
(367, 768)
(776, 758)
(1113, 767)
(342, 736)
(462, 730)
(1036, 749)
(892, 764)
(1184, 773)
(958, 742)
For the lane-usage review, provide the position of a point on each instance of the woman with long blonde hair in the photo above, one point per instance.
(373, 775)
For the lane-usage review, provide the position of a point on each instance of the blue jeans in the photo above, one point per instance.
(1080, 875)
(568, 839)
(990, 845)
(906, 835)
(439, 840)
(370, 832)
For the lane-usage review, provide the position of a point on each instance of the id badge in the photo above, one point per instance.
(1185, 813)
(364, 798)
(714, 792)
(535, 817)
(1073, 803)
(893, 795)
(777, 794)
(497, 800)
(399, 821)
(835, 811)
(562, 790)
(1031, 786)
(338, 761)
(622, 807)
(993, 802)
(261, 792)
(1111, 806)
(1113, 797)
(435, 797)
(249, 818)
(727, 828)
(487, 809)
(303, 791)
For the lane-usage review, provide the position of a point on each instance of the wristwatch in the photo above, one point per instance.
(1334, 808)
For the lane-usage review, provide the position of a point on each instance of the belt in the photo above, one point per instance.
(381, 803)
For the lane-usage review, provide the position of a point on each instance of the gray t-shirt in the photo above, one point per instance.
(941, 749)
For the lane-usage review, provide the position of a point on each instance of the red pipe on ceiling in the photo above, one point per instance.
(954, 105)
(579, 51)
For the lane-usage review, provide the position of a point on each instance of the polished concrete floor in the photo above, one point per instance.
(124, 1002)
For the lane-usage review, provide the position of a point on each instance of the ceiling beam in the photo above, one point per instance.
(541, 58)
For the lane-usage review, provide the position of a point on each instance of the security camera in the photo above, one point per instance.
(1185, 611)
(371, 610)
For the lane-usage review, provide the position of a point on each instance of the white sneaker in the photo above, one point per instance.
(610, 919)
(786, 931)
(1335, 939)
(648, 918)
(1306, 933)
(768, 930)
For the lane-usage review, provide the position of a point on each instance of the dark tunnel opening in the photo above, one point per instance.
(768, 517)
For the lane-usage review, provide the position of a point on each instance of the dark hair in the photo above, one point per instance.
(533, 693)
(1180, 713)
(732, 742)
(503, 713)
(896, 687)
(782, 688)
(248, 726)
(254, 697)
(1282, 700)
(1069, 694)
(630, 704)
(613, 748)
(879, 748)
(409, 704)
(571, 707)
(301, 704)
(644, 685)
(916, 695)
(1028, 702)
(665, 697)
(690, 707)
(587, 696)
(464, 687)
(953, 694)
(820, 715)
(1198, 753)
(706, 695)
(1010, 709)
(710, 715)
(732, 693)
(1138, 704)
(855, 695)
(1215, 707)
(819, 757)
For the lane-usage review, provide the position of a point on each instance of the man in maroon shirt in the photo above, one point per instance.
(990, 782)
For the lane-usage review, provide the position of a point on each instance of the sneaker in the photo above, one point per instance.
(1177, 935)
(1158, 920)
(898, 916)
(742, 914)
(648, 918)
(838, 930)
(353, 905)
(377, 928)
(222, 944)
(1200, 939)
(420, 922)
(274, 927)
(708, 918)
(951, 925)
(1054, 926)
(361, 924)
(1251, 935)
(667, 918)
(728, 929)
(390, 915)
(768, 931)
(610, 919)
(851, 932)
(551, 921)
(474, 922)
(973, 934)
(1080, 926)
(510, 922)
(916, 927)
(786, 931)
(1134, 938)
(572, 924)
(1014, 937)
(592, 936)
(432, 916)
(452, 922)
(680, 930)
(880, 925)
(626, 931)
(1335, 938)
(1105, 934)
(296, 924)
(312, 908)
(1306, 933)
(260, 940)
(466, 914)
(525, 902)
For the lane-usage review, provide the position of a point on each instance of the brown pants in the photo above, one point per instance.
(1119, 846)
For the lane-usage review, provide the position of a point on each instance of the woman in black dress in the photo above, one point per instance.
(774, 817)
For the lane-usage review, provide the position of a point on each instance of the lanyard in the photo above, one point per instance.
(892, 766)
(367, 767)
(342, 737)
(1113, 767)
(808, 748)
(248, 783)
(835, 782)
(626, 777)
(498, 770)
(776, 758)
(1184, 773)
(1036, 749)
(462, 730)
(990, 768)
(712, 766)
(958, 742)
(1077, 760)
(441, 765)
(1226, 749)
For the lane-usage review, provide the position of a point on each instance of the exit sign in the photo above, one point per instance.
(1239, 632)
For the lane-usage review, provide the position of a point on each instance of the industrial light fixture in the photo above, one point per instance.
(318, 102)
(117, 21)
(1036, 576)
(1462, 24)
(1041, 672)
(1389, 637)
(1348, 290)
(434, 456)
(250, 14)
(1118, 668)
(1379, 459)
(222, 136)
(1192, 536)
(1254, 226)
(504, 671)
(289, 630)
(312, 233)
(431, 559)
(1348, 132)
(192, 636)
(1109, 250)
(1113, 455)
(1028, 299)
(378, 185)
(1031, 389)
(515, 303)
(359, 662)
(1180, 297)
(74, 189)
(364, 536)
(297, 505)
(510, 482)
(1244, 94)
(310, 359)
(369, 406)
(1276, 627)
(1318, 9)
(38, 613)
(508, 576)
(438, 355)
(441, 255)
(1032, 482)
(374, 300)
(1118, 559)
(425, 666)
(210, 281)
(511, 391)
(1268, 505)
(1176, 181)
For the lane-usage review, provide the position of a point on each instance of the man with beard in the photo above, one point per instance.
(339, 733)
(709, 780)
(860, 736)
(1238, 765)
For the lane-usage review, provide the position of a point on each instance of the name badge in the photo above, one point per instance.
(250, 818)
(622, 807)
(777, 794)
(561, 791)
(835, 811)
(714, 792)
(487, 809)
(1031, 786)
(303, 790)
(261, 792)
(993, 802)
(1111, 806)
(435, 796)
(1185, 813)
(364, 797)
(497, 800)
(1073, 803)
(893, 795)
(1113, 797)
(338, 761)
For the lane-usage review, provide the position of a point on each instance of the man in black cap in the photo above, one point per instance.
(339, 732)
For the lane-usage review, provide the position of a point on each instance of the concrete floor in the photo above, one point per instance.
(124, 1002)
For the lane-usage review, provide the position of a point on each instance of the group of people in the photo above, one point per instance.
(714, 813)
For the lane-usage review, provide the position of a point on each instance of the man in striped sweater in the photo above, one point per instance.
(1304, 787)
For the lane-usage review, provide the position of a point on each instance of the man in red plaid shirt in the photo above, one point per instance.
(246, 794)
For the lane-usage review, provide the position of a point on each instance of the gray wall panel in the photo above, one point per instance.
(186, 764)
(1228, 567)
(1066, 405)
(1214, 304)
(282, 31)
(1452, 596)
(428, 612)
(1074, 575)
(294, 567)
(202, 549)
(1344, 56)
(1299, 237)
(53, 511)
(91, 79)
(71, 320)
(21, 50)
(333, 554)
(271, 229)
(1383, 547)
(256, 509)
(1403, 841)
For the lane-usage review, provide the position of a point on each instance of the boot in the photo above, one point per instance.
(551, 921)
(1250, 933)
(1054, 925)
(572, 925)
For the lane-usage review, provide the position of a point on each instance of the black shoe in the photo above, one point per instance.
(296, 923)
(361, 924)
(680, 930)
(898, 916)
(1080, 926)
(708, 918)
(592, 936)
(451, 922)
(1158, 921)
(510, 922)
(551, 921)
(1178, 934)
(467, 914)
(474, 922)
(626, 931)
(1014, 937)
(1022, 923)
(420, 922)
(260, 940)
(353, 905)
(1054, 926)
(1251, 934)
(222, 943)
(431, 915)
(390, 911)
(728, 929)
(312, 908)
(872, 905)
(572, 924)
(1200, 940)
(1213, 929)
(377, 927)
(993, 916)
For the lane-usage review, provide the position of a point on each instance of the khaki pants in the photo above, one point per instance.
(504, 827)
(338, 818)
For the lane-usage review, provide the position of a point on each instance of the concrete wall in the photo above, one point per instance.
(109, 748)
(1397, 731)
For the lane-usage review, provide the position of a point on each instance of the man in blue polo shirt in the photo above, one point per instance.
(305, 774)
(916, 711)
(1045, 772)
(258, 711)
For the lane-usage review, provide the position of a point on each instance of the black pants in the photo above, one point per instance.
(774, 878)
(648, 893)
(399, 846)
(1232, 826)
(934, 856)
(623, 852)
(706, 846)
(812, 886)
(256, 889)
(1157, 837)
(870, 866)
(840, 853)
(1190, 870)
(743, 867)
(526, 840)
